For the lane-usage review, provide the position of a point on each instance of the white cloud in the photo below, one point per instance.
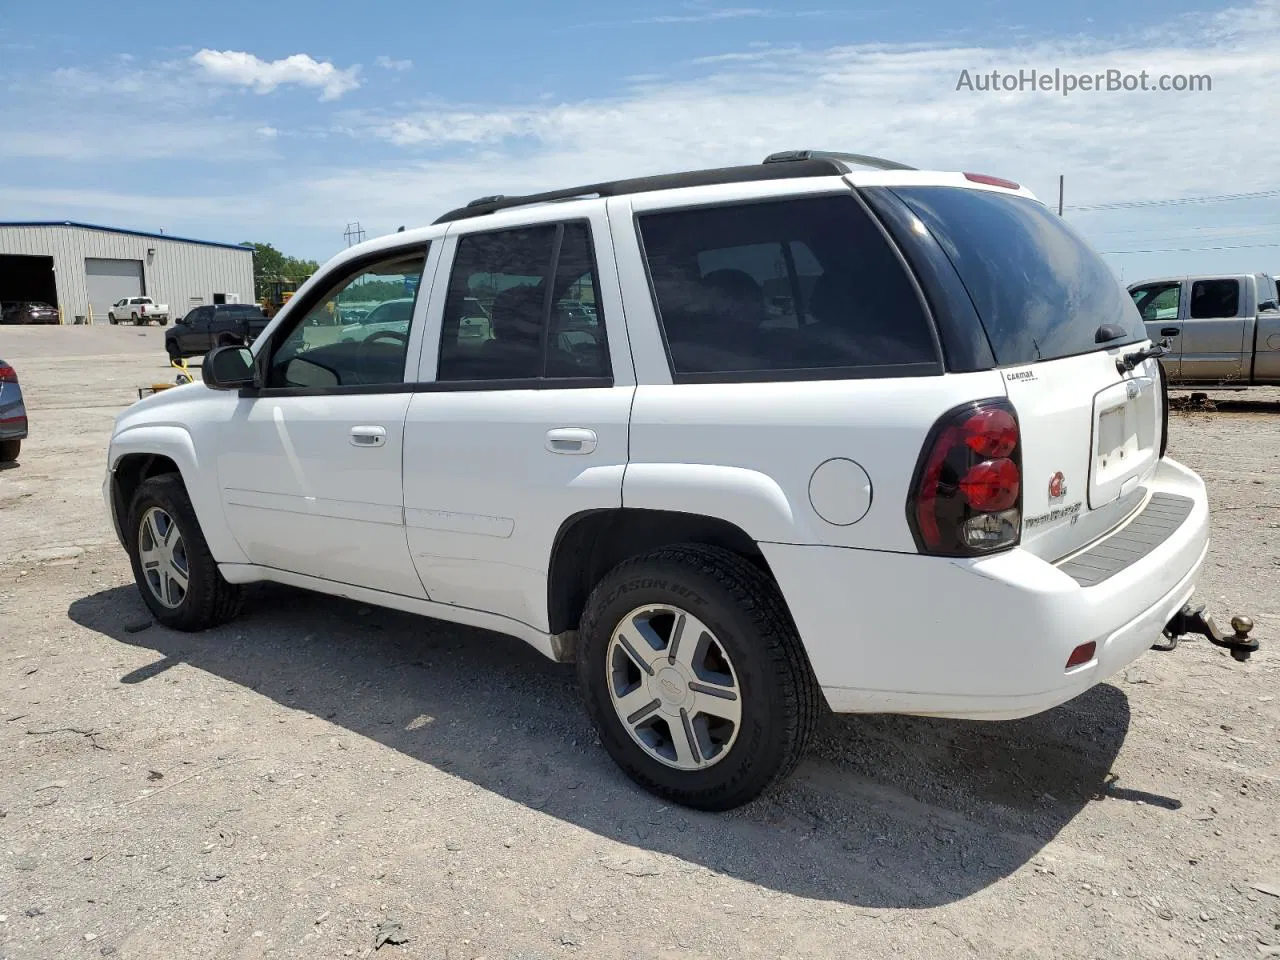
(267, 133)
(900, 100)
(264, 76)
(388, 64)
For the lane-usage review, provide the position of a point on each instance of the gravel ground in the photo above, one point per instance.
(319, 775)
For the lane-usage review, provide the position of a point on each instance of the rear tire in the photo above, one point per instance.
(163, 321)
(746, 661)
(134, 318)
(9, 450)
(175, 572)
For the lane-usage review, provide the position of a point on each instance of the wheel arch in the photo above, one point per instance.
(142, 452)
(590, 544)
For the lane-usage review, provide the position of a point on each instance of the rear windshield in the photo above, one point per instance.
(1040, 289)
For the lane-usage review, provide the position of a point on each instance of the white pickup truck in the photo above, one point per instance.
(138, 310)
(925, 475)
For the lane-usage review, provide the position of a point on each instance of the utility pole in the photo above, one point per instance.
(1060, 186)
(354, 233)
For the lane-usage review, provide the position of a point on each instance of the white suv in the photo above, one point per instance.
(747, 443)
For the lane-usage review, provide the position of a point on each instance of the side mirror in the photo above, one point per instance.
(228, 368)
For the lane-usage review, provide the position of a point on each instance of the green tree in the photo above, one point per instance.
(269, 264)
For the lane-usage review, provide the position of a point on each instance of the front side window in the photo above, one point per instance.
(1215, 299)
(753, 290)
(322, 350)
(1157, 301)
(522, 305)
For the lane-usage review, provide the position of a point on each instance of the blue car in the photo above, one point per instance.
(13, 414)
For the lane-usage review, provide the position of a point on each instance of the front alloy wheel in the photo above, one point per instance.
(673, 687)
(163, 555)
(177, 576)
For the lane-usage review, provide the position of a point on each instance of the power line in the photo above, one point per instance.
(1177, 202)
(1237, 246)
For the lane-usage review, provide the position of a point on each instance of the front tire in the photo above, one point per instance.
(174, 353)
(175, 572)
(111, 319)
(695, 677)
(9, 450)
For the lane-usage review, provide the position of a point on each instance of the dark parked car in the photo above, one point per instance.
(214, 326)
(27, 311)
(13, 414)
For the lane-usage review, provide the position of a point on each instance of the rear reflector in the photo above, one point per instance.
(991, 181)
(1081, 654)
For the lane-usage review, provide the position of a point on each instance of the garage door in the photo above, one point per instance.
(110, 280)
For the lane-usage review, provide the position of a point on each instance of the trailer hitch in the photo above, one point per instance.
(1194, 620)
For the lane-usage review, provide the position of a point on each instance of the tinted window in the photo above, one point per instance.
(320, 351)
(1214, 298)
(1039, 288)
(522, 305)
(789, 285)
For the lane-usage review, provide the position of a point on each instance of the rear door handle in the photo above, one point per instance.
(571, 440)
(1170, 331)
(368, 436)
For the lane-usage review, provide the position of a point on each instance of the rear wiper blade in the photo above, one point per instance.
(1130, 360)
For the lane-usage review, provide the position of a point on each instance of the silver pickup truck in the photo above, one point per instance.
(1223, 330)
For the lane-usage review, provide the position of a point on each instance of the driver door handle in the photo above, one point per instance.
(571, 440)
(1170, 331)
(368, 436)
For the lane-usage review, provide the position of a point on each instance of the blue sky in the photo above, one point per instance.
(283, 121)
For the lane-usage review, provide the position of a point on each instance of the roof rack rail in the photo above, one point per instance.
(861, 159)
(819, 165)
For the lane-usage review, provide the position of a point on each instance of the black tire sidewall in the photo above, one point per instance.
(167, 493)
(9, 450)
(759, 750)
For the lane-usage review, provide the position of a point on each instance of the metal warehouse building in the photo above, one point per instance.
(75, 266)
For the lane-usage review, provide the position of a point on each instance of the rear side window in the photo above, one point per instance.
(1040, 290)
(787, 288)
(522, 306)
(1212, 299)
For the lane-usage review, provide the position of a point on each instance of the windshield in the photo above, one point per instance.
(1039, 288)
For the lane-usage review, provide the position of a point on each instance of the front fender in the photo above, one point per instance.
(748, 499)
(199, 476)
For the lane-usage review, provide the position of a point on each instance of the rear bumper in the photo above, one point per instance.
(981, 639)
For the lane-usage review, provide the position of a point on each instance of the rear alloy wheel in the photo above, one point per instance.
(695, 677)
(675, 690)
(9, 450)
(175, 572)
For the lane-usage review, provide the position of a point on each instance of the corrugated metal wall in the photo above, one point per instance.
(177, 273)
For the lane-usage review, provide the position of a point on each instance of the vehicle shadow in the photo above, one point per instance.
(885, 812)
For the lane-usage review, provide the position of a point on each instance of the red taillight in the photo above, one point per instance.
(966, 500)
(1081, 654)
(7, 373)
(992, 485)
(991, 432)
(991, 181)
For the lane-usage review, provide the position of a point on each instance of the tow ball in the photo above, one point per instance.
(1194, 620)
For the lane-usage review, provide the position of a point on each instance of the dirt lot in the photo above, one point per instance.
(284, 785)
